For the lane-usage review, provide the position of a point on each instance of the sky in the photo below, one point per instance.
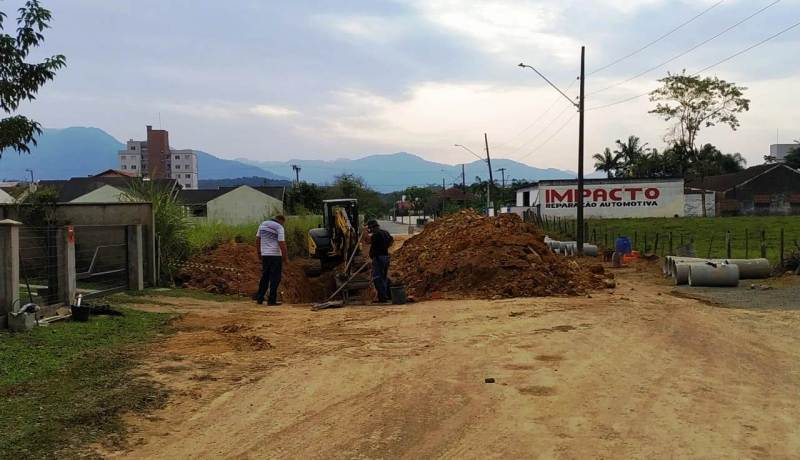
(285, 79)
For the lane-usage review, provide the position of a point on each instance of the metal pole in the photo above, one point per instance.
(463, 188)
(491, 176)
(580, 235)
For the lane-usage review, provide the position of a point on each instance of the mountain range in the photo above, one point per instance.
(396, 171)
(78, 151)
(83, 151)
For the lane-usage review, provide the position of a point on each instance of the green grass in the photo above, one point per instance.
(146, 296)
(66, 385)
(707, 234)
(203, 236)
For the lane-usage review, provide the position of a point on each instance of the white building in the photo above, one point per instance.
(779, 151)
(607, 198)
(180, 165)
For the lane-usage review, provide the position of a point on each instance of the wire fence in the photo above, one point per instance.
(38, 263)
(780, 244)
(101, 259)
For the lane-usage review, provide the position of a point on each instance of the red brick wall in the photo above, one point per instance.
(157, 153)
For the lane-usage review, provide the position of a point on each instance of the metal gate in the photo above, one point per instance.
(101, 259)
(38, 262)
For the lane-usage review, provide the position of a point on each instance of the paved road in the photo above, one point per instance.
(394, 228)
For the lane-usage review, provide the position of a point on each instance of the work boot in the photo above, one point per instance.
(274, 304)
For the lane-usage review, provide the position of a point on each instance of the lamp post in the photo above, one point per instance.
(580, 106)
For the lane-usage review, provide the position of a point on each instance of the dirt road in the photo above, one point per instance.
(636, 373)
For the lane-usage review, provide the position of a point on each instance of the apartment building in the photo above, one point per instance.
(153, 158)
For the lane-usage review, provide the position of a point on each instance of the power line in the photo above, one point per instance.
(722, 61)
(702, 43)
(648, 45)
(537, 120)
(540, 132)
(540, 146)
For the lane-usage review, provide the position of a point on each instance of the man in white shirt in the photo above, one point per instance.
(271, 243)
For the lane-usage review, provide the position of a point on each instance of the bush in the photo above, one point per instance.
(204, 236)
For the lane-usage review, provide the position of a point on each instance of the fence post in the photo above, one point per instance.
(594, 235)
(728, 248)
(763, 244)
(135, 257)
(746, 244)
(710, 244)
(655, 246)
(781, 256)
(670, 244)
(644, 247)
(635, 238)
(66, 265)
(9, 268)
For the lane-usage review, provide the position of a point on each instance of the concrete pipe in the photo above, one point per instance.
(752, 268)
(665, 265)
(685, 260)
(714, 275)
(680, 275)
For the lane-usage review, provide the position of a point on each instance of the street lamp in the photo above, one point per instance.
(580, 106)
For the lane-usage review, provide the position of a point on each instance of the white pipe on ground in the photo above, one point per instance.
(713, 275)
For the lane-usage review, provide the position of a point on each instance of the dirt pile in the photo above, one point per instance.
(235, 269)
(470, 255)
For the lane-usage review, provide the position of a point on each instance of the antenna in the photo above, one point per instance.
(159, 120)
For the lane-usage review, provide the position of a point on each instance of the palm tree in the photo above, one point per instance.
(607, 162)
(631, 152)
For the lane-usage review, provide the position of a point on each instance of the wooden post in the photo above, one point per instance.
(781, 255)
(763, 244)
(9, 269)
(655, 246)
(635, 238)
(644, 246)
(670, 244)
(746, 244)
(710, 244)
(594, 235)
(728, 248)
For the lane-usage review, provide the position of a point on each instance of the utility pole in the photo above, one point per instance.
(296, 169)
(580, 235)
(503, 189)
(463, 188)
(491, 177)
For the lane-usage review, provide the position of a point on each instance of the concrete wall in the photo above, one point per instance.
(242, 206)
(104, 194)
(107, 214)
(693, 204)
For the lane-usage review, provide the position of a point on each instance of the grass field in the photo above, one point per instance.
(707, 235)
(66, 385)
(204, 236)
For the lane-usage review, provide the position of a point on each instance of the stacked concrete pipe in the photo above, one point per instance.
(713, 275)
(751, 268)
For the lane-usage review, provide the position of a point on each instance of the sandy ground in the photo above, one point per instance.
(637, 373)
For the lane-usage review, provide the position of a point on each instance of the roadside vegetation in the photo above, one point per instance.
(67, 385)
(707, 235)
(205, 236)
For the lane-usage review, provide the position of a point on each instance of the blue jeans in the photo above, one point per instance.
(380, 277)
(271, 268)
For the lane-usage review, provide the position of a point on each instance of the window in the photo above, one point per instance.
(133, 147)
(526, 199)
(132, 167)
(185, 157)
(177, 166)
(177, 157)
(124, 167)
(188, 176)
(187, 167)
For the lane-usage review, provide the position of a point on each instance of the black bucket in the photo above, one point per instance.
(80, 313)
(398, 294)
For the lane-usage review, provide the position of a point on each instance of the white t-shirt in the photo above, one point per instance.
(270, 233)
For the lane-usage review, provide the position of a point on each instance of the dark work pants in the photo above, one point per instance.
(271, 267)
(380, 277)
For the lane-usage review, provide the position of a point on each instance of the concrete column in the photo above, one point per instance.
(66, 265)
(9, 268)
(135, 258)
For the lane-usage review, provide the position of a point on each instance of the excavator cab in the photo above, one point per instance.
(339, 235)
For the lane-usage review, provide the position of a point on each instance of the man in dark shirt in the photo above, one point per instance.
(380, 241)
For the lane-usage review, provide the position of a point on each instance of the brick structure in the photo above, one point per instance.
(153, 158)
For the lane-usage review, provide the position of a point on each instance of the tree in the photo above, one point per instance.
(692, 103)
(792, 159)
(631, 153)
(20, 79)
(370, 203)
(306, 197)
(607, 162)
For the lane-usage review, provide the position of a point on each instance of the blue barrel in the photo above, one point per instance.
(623, 245)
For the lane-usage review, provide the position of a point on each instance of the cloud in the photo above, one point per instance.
(273, 111)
